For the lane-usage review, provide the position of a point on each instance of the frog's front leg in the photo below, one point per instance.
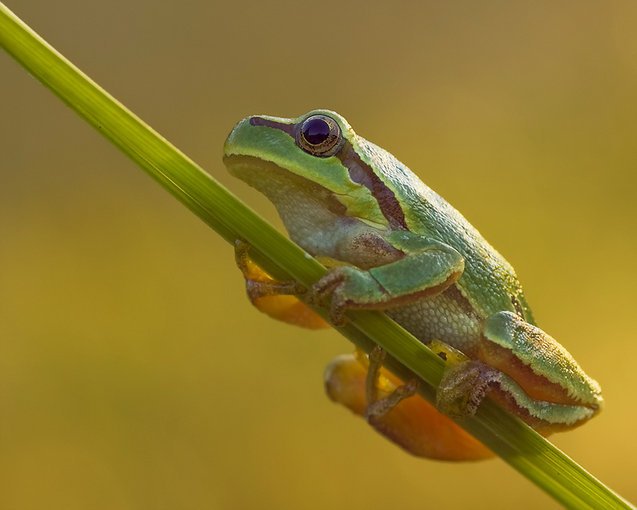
(527, 371)
(278, 299)
(425, 267)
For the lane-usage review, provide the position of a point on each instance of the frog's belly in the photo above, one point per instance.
(447, 317)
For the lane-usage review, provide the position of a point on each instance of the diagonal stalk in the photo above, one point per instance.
(516, 443)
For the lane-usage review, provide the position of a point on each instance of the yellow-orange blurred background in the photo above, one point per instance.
(133, 372)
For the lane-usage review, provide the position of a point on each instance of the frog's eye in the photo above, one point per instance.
(319, 135)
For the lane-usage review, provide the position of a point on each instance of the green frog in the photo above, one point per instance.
(393, 244)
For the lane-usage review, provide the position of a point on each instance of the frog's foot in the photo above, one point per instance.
(464, 386)
(412, 423)
(379, 407)
(341, 283)
(278, 299)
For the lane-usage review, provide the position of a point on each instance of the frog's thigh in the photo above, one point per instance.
(413, 424)
(536, 361)
(545, 385)
(273, 297)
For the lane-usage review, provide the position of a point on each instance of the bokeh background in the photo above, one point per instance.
(133, 372)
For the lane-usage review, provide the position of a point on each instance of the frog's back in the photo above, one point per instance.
(489, 282)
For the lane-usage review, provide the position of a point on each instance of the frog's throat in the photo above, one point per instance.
(292, 195)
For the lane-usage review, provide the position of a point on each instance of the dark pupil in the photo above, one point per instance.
(316, 131)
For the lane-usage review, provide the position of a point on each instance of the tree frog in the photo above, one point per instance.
(393, 244)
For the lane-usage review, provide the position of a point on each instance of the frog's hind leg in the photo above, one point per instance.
(525, 371)
(278, 299)
(412, 423)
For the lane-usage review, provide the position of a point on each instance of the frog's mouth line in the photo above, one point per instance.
(277, 183)
(264, 175)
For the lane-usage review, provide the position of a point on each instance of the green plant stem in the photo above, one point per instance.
(516, 443)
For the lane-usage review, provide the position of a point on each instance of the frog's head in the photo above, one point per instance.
(308, 166)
